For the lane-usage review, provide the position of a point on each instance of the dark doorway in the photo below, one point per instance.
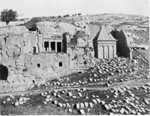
(95, 45)
(122, 47)
(53, 46)
(58, 46)
(60, 64)
(85, 62)
(38, 65)
(34, 50)
(46, 45)
(3, 72)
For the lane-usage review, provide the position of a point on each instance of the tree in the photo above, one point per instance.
(8, 15)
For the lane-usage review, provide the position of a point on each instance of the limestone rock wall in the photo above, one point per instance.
(17, 47)
(48, 66)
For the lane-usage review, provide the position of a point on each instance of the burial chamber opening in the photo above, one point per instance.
(3, 72)
(46, 45)
(122, 46)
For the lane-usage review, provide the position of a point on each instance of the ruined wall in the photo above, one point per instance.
(82, 42)
(48, 65)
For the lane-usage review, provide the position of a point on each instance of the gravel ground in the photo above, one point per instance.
(115, 86)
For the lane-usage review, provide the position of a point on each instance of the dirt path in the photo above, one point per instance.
(131, 83)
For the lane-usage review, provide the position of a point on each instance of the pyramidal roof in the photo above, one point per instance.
(105, 34)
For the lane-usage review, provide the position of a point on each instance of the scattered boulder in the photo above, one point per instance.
(82, 112)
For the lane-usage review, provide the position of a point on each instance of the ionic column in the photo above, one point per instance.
(131, 50)
(111, 51)
(103, 51)
(108, 52)
(50, 46)
(115, 51)
(55, 46)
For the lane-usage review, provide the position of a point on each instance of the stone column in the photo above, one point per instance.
(100, 51)
(111, 51)
(131, 50)
(55, 46)
(49, 46)
(43, 46)
(103, 51)
(115, 51)
(61, 47)
(108, 51)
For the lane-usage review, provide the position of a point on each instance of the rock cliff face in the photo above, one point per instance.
(16, 43)
(21, 51)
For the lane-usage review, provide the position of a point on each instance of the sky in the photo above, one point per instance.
(35, 8)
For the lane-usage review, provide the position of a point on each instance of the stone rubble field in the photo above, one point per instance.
(108, 71)
(123, 100)
(117, 86)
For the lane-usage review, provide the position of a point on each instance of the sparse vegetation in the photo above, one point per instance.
(8, 15)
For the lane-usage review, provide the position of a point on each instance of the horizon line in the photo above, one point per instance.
(84, 14)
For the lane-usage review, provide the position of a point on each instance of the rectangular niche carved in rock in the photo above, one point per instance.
(53, 46)
(58, 46)
(46, 45)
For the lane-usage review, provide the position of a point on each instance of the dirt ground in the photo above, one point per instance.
(36, 107)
